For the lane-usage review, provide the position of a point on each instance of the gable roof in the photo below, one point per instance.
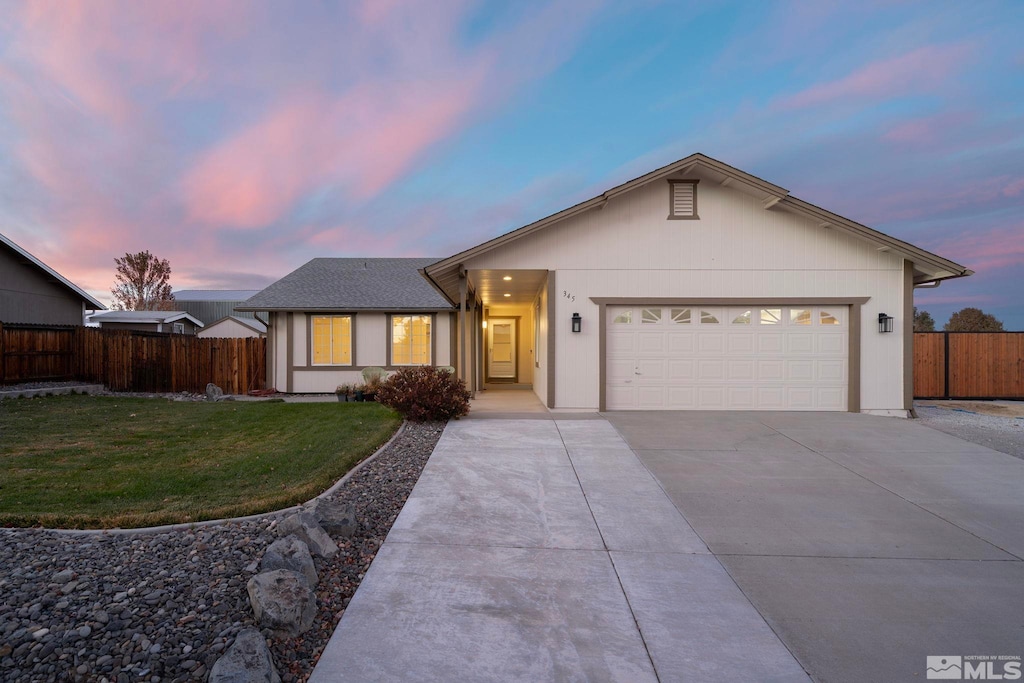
(144, 317)
(351, 284)
(928, 267)
(252, 323)
(60, 279)
(214, 294)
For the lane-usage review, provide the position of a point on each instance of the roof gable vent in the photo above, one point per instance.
(683, 200)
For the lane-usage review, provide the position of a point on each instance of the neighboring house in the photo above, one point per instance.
(33, 293)
(213, 305)
(234, 326)
(333, 317)
(173, 322)
(697, 287)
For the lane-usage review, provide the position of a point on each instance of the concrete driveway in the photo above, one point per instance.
(693, 546)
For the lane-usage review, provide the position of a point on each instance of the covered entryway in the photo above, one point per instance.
(713, 357)
(501, 349)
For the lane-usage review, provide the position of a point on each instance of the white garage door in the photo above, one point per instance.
(727, 358)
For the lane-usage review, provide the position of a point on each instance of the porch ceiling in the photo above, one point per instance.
(522, 287)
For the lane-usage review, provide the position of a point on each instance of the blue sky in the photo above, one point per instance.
(240, 139)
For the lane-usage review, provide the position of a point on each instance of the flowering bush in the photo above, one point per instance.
(423, 393)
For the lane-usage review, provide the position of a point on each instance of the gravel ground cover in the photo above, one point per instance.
(995, 425)
(165, 606)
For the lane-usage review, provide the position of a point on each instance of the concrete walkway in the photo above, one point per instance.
(693, 546)
(545, 551)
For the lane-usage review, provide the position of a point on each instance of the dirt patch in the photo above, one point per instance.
(983, 407)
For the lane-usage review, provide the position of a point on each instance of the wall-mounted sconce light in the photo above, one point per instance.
(484, 324)
(884, 323)
(577, 323)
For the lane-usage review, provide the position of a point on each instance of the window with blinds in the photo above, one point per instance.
(410, 340)
(682, 200)
(332, 340)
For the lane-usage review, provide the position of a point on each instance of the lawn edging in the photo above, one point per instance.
(185, 526)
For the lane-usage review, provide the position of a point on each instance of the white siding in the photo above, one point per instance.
(443, 330)
(371, 339)
(300, 353)
(736, 249)
(371, 350)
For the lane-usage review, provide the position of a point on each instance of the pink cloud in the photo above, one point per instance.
(922, 70)
(363, 140)
(927, 130)
(998, 248)
(96, 51)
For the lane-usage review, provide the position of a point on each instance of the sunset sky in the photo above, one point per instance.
(240, 139)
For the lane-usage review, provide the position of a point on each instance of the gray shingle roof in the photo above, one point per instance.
(351, 284)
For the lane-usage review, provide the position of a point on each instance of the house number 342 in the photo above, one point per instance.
(568, 295)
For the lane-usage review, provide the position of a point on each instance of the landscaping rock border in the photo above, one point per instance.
(165, 606)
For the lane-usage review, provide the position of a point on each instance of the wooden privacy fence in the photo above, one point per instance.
(969, 365)
(130, 361)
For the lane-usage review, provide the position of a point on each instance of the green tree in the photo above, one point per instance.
(973, 320)
(923, 321)
(142, 283)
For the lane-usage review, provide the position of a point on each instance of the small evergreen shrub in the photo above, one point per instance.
(421, 394)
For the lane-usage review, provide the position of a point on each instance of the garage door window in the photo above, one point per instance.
(708, 318)
(771, 316)
(742, 319)
(799, 316)
(681, 316)
(828, 319)
(651, 316)
(624, 318)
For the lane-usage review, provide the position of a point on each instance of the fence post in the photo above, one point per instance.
(945, 364)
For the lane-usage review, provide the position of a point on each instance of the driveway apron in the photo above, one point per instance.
(545, 550)
(868, 544)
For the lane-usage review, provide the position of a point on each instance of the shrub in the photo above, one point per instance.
(423, 393)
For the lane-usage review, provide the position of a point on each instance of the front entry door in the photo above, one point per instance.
(501, 347)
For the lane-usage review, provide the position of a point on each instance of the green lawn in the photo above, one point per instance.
(101, 462)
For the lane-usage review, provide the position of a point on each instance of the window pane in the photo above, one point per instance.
(650, 315)
(742, 319)
(332, 340)
(828, 319)
(410, 340)
(624, 318)
(321, 341)
(706, 318)
(341, 330)
(771, 316)
(800, 316)
(681, 316)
